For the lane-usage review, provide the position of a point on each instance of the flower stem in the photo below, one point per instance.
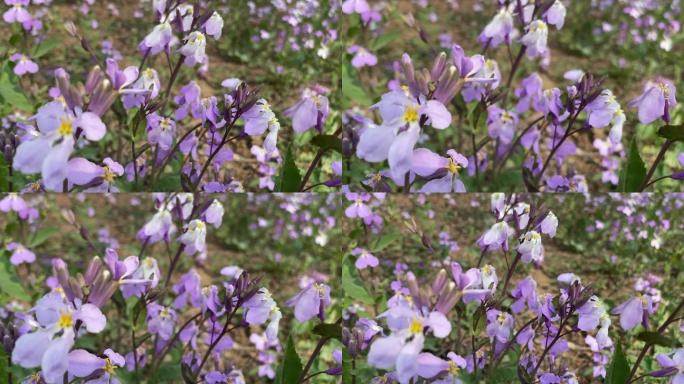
(661, 155)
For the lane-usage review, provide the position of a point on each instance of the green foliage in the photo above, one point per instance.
(42, 235)
(10, 287)
(331, 331)
(634, 171)
(46, 46)
(352, 284)
(289, 179)
(618, 369)
(10, 92)
(291, 368)
(352, 91)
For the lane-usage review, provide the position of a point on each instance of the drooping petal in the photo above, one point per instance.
(425, 162)
(29, 348)
(82, 363)
(439, 115)
(92, 126)
(383, 352)
(56, 358)
(92, 318)
(28, 158)
(81, 171)
(401, 151)
(374, 143)
(429, 365)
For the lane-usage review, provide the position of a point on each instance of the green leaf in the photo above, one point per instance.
(11, 93)
(289, 179)
(655, 338)
(46, 46)
(618, 370)
(672, 132)
(330, 331)
(384, 39)
(352, 284)
(9, 284)
(352, 90)
(42, 235)
(169, 183)
(384, 241)
(328, 142)
(167, 373)
(634, 172)
(291, 367)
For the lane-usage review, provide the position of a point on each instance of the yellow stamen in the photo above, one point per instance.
(109, 366)
(416, 326)
(65, 127)
(453, 369)
(411, 114)
(65, 320)
(453, 167)
(663, 87)
(108, 174)
(501, 318)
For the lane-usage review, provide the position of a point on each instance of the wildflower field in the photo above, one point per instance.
(341, 191)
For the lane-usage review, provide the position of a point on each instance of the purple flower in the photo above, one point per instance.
(634, 311)
(12, 202)
(160, 320)
(674, 366)
(311, 111)
(430, 366)
(16, 13)
(194, 49)
(158, 40)
(55, 142)
(160, 130)
(656, 101)
(496, 237)
(24, 64)
(402, 348)
(535, 39)
(525, 291)
(358, 208)
(261, 308)
(501, 124)
(97, 178)
(362, 57)
(443, 171)
(48, 346)
(531, 248)
(499, 29)
(499, 325)
(83, 363)
(214, 214)
(365, 259)
(395, 138)
(194, 237)
(549, 225)
(555, 15)
(259, 118)
(355, 6)
(605, 110)
(310, 302)
(475, 284)
(532, 88)
(145, 88)
(159, 227)
(214, 26)
(20, 254)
